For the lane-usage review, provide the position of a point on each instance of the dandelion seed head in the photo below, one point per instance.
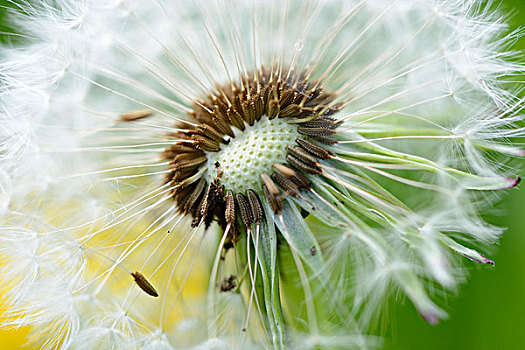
(164, 147)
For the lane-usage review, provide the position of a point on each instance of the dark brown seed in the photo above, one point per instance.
(135, 115)
(297, 177)
(275, 202)
(292, 110)
(321, 122)
(286, 184)
(244, 210)
(188, 164)
(236, 119)
(304, 156)
(223, 126)
(298, 164)
(205, 144)
(313, 251)
(314, 132)
(257, 211)
(273, 109)
(301, 180)
(229, 212)
(259, 107)
(228, 284)
(181, 148)
(143, 283)
(194, 197)
(286, 98)
(325, 140)
(315, 150)
(211, 133)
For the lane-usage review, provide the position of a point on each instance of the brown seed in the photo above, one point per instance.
(286, 184)
(322, 122)
(284, 170)
(236, 119)
(274, 201)
(286, 98)
(195, 195)
(144, 284)
(298, 164)
(325, 140)
(223, 126)
(187, 164)
(313, 251)
(205, 144)
(229, 213)
(273, 109)
(314, 149)
(292, 110)
(244, 210)
(270, 184)
(135, 115)
(228, 284)
(257, 211)
(211, 133)
(304, 156)
(314, 132)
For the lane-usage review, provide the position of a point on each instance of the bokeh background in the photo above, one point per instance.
(488, 311)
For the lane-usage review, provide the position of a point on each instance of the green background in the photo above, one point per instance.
(488, 311)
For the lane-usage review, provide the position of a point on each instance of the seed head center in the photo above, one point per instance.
(250, 153)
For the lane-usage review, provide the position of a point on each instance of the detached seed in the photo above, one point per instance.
(144, 284)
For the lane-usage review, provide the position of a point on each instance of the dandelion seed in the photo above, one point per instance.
(239, 152)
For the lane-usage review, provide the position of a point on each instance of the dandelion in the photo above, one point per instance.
(247, 174)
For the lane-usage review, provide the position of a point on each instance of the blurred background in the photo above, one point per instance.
(488, 311)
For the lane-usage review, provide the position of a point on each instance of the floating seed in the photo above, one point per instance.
(314, 149)
(244, 210)
(135, 115)
(143, 283)
(255, 205)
